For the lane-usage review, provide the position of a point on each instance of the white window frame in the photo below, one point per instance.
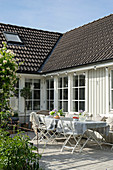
(49, 89)
(32, 91)
(62, 88)
(78, 87)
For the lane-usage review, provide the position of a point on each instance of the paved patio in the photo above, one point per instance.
(91, 158)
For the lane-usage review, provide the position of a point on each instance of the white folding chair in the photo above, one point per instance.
(69, 132)
(38, 127)
(97, 135)
(42, 130)
(90, 135)
(51, 132)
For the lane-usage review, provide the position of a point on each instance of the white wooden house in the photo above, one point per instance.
(72, 71)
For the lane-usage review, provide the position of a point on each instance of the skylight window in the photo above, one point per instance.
(12, 37)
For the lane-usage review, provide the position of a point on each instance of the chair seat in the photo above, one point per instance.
(42, 127)
(71, 133)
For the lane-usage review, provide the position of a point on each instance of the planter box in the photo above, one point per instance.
(109, 138)
(15, 120)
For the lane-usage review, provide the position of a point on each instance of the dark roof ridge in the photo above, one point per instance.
(25, 27)
(89, 23)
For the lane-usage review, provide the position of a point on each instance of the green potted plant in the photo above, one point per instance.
(82, 115)
(25, 93)
(56, 113)
(61, 113)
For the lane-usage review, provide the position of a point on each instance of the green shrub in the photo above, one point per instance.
(8, 77)
(16, 153)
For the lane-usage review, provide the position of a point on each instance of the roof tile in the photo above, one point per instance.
(33, 48)
(90, 43)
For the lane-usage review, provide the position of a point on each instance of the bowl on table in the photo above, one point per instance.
(75, 118)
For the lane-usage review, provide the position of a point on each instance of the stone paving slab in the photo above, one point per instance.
(91, 158)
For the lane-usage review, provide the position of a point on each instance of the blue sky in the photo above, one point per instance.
(53, 15)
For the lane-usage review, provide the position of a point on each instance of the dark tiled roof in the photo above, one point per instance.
(37, 46)
(84, 45)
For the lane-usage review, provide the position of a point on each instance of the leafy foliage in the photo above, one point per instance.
(8, 68)
(16, 153)
(25, 92)
(57, 112)
(61, 112)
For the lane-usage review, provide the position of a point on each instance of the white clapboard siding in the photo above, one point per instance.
(97, 91)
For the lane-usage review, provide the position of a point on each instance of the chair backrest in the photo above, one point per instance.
(43, 112)
(50, 123)
(67, 125)
(41, 118)
(36, 119)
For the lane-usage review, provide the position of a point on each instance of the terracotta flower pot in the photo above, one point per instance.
(56, 117)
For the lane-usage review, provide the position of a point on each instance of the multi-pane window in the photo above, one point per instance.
(78, 93)
(33, 102)
(16, 94)
(50, 94)
(111, 90)
(63, 93)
